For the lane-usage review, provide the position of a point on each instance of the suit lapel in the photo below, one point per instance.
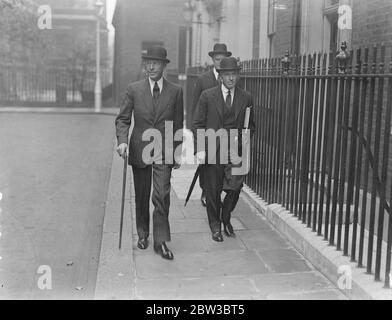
(219, 98)
(237, 102)
(147, 98)
(163, 100)
(213, 81)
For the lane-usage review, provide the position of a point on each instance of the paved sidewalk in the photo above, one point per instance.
(258, 264)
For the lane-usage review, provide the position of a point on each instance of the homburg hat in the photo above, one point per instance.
(229, 64)
(156, 53)
(219, 48)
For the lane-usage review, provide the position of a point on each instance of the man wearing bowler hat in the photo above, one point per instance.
(206, 81)
(154, 103)
(222, 108)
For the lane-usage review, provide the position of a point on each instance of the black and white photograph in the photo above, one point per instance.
(195, 155)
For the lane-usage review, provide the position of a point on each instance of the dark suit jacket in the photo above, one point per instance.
(205, 81)
(139, 102)
(209, 114)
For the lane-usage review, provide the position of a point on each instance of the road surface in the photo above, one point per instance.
(54, 175)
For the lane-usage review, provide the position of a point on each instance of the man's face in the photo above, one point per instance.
(217, 59)
(230, 78)
(154, 68)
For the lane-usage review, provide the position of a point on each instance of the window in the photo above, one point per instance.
(333, 42)
(332, 16)
(271, 17)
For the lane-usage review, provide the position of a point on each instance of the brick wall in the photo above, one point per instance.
(138, 21)
(372, 23)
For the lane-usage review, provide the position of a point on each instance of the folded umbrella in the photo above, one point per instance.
(197, 173)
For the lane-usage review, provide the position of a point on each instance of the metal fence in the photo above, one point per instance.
(322, 147)
(25, 85)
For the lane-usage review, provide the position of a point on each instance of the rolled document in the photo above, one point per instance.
(247, 116)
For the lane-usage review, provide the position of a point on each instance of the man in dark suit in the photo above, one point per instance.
(222, 109)
(156, 105)
(206, 81)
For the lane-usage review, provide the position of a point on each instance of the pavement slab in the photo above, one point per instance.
(259, 263)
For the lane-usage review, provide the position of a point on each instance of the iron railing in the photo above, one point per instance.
(322, 147)
(54, 86)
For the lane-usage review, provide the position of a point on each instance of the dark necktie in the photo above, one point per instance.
(155, 91)
(228, 100)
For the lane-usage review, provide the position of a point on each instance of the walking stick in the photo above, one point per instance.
(123, 198)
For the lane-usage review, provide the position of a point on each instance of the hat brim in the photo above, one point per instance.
(155, 58)
(213, 53)
(229, 69)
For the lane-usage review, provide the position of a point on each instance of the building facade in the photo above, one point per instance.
(267, 28)
(73, 31)
(140, 24)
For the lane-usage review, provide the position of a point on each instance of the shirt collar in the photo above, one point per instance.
(152, 84)
(216, 74)
(225, 91)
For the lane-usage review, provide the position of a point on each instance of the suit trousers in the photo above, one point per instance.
(217, 211)
(160, 174)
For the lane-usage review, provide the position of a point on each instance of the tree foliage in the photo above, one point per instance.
(21, 40)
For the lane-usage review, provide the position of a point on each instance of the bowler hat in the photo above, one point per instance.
(229, 64)
(219, 48)
(156, 53)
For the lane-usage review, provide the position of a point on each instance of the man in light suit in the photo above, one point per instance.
(206, 81)
(154, 103)
(222, 108)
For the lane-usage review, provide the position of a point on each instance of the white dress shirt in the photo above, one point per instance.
(152, 84)
(225, 92)
(216, 74)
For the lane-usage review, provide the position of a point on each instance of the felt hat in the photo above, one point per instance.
(219, 48)
(229, 64)
(156, 53)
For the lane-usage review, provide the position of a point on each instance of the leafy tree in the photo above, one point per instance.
(21, 41)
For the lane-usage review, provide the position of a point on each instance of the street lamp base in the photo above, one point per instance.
(98, 102)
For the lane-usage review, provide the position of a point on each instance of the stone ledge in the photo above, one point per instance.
(318, 252)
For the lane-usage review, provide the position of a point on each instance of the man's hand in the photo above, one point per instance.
(122, 150)
(201, 157)
(177, 163)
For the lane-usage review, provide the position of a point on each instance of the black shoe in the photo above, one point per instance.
(203, 200)
(142, 243)
(163, 250)
(217, 236)
(228, 230)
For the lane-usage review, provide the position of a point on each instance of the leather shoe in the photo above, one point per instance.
(228, 230)
(217, 236)
(163, 250)
(142, 243)
(203, 200)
